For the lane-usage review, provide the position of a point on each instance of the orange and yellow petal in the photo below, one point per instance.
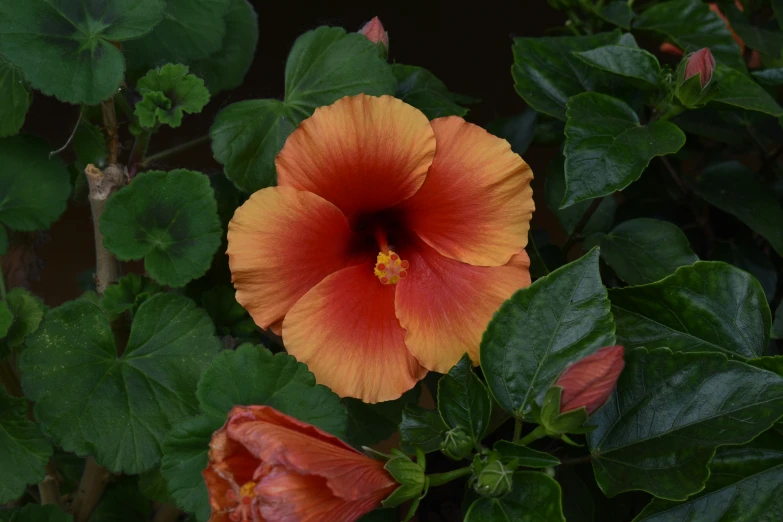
(281, 243)
(346, 331)
(362, 153)
(446, 305)
(476, 203)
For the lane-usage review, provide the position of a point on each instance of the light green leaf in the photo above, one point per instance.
(169, 219)
(66, 49)
(122, 502)
(34, 189)
(463, 400)
(557, 320)
(369, 424)
(26, 311)
(734, 188)
(670, 411)
(14, 99)
(418, 87)
(607, 148)
(421, 428)
(707, 307)
(117, 408)
(168, 92)
(639, 66)
(535, 497)
(24, 452)
(129, 293)
(737, 89)
(39, 513)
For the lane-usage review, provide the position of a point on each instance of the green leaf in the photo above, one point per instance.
(6, 319)
(129, 293)
(756, 36)
(569, 217)
(744, 486)
(3, 240)
(27, 311)
(276, 380)
(707, 307)
(535, 497)
(66, 49)
(185, 456)
(644, 250)
(737, 89)
(421, 428)
(691, 25)
(324, 65)
(524, 456)
(772, 77)
(557, 320)
(37, 198)
(463, 400)
(168, 92)
(90, 146)
(619, 13)
(226, 69)
(669, 412)
(15, 99)
(228, 315)
(117, 408)
(369, 424)
(153, 486)
(418, 87)
(751, 259)
(580, 504)
(122, 502)
(607, 148)
(190, 30)
(39, 513)
(24, 452)
(777, 325)
(547, 72)
(169, 219)
(639, 66)
(518, 130)
(736, 189)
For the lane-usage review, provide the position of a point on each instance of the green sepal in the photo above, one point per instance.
(495, 478)
(556, 423)
(410, 475)
(457, 444)
(690, 92)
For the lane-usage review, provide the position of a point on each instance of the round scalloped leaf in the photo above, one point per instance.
(117, 408)
(24, 452)
(129, 293)
(14, 99)
(34, 189)
(168, 92)
(168, 218)
(39, 513)
(67, 49)
(26, 311)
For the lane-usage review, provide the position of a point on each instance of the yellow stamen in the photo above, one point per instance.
(389, 268)
(247, 489)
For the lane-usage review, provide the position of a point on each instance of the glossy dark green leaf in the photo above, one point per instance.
(34, 189)
(765, 39)
(26, 312)
(777, 324)
(177, 231)
(463, 400)
(617, 12)
(670, 411)
(15, 99)
(168, 92)
(369, 424)
(725, 125)
(122, 502)
(418, 87)
(66, 49)
(644, 250)
(228, 315)
(772, 77)
(744, 486)
(524, 456)
(226, 69)
(535, 497)
(129, 293)
(262, 378)
(185, 456)
(607, 148)
(736, 189)
(39, 513)
(421, 428)
(691, 25)
(547, 73)
(557, 320)
(89, 144)
(707, 307)
(24, 452)
(639, 66)
(737, 89)
(117, 408)
(518, 130)
(751, 259)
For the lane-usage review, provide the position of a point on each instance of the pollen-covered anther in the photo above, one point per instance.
(389, 268)
(243, 511)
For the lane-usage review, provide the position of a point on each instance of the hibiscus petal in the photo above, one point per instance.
(362, 153)
(346, 331)
(446, 305)
(476, 203)
(281, 243)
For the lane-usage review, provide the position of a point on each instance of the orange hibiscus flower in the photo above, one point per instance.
(265, 466)
(387, 246)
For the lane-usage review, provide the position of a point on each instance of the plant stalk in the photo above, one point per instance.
(538, 433)
(140, 147)
(517, 430)
(173, 150)
(90, 490)
(48, 488)
(581, 225)
(441, 478)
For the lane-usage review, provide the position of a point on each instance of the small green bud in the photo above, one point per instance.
(457, 444)
(494, 480)
(410, 475)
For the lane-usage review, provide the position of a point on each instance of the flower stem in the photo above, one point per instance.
(581, 225)
(139, 151)
(90, 491)
(538, 433)
(48, 487)
(174, 150)
(442, 478)
(517, 430)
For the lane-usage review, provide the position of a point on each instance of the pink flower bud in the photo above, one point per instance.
(374, 32)
(589, 382)
(701, 62)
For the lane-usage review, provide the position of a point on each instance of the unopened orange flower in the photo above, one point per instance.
(387, 246)
(265, 466)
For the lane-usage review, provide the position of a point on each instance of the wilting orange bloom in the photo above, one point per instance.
(265, 466)
(387, 246)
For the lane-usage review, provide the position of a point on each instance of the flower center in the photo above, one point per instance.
(243, 511)
(389, 268)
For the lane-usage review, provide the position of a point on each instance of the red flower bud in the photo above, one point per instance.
(264, 465)
(701, 62)
(590, 381)
(374, 32)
